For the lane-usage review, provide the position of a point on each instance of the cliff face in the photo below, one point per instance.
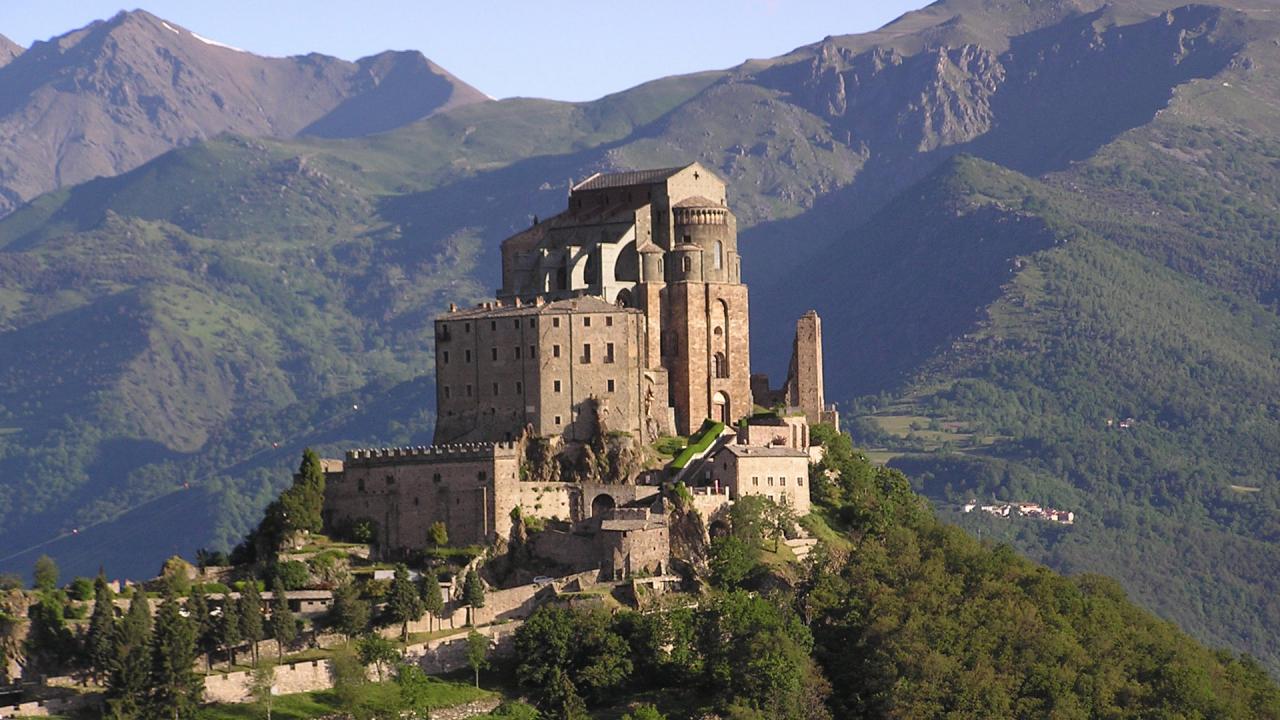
(108, 97)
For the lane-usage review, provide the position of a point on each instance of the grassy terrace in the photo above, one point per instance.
(382, 699)
(699, 443)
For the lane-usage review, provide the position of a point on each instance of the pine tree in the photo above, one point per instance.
(349, 613)
(229, 628)
(175, 688)
(251, 627)
(473, 594)
(100, 639)
(432, 598)
(206, 627)
(403, 604)
(127, 682)
(283, 627)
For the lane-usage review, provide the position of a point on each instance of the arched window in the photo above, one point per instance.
(721, 365)
(719, 255)
(686, 264)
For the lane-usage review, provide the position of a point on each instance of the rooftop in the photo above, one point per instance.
(602, 181)
(584, 304)
(763, 451)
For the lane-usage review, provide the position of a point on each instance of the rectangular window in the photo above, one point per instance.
(519, 388)
(493, 324)
(557, 420)
(770, 482)
(517, 323)
(445, 357)
(610, 384)
(446, 392)
(533, 352)
(608, 352)
(555, 351)
(586, 353)
(467, 356)
(533, 322)
(494, 353)
(782, 481)
(755, 481)
(555, 322)
(557, 386)
(800, 481)
(608, 321)
(517, 349)
(495, 389)
(468, 391)
(586, 321)
(466, 327)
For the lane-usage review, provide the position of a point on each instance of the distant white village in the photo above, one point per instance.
(1023, 509)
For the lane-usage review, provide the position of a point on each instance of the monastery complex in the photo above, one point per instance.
(620, 321)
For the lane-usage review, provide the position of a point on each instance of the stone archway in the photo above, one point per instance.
(720, 408)
(602, 503)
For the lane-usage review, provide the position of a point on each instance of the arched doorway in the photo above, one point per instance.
(602, 503)
(720, 407)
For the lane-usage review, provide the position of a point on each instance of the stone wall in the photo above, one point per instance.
(38, 708)
(290, 678)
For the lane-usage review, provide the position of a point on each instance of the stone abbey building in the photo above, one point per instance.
(624, 313)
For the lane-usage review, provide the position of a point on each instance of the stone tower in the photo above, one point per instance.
(804, 388)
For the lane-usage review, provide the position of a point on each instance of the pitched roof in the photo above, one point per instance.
(601, 181)
(697, 201)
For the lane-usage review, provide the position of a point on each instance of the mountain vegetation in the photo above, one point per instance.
(1019, 219)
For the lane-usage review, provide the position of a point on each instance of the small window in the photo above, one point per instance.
(517, 352)
(436, 478)
(493, 324)
(466, 327)
(770, 482)
(494, 353)
(799, 481)
(495, 389)
(755, 481)
(586, 321)
(557, 420)
(390, 480)
(586, 353)
(555, 322)
(782, 481)
(417, 502)
(608, 352)
(688, 239)
(533, 322)
(686, 263)
(517, 323)
(608, 321)
(533, 352)
(447, 393)
(481, 476)
(519, 387)
(611, 385)
(444, 357)
(555, 351)
(360, 484)
(556, 385)
(468, 391)
(467, 356)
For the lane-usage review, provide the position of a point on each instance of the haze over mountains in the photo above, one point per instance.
(1019, 220)
(106, 98)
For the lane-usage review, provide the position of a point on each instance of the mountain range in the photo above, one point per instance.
(1024, 222)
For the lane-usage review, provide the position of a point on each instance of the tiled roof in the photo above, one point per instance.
(697, 201)
(601, 181)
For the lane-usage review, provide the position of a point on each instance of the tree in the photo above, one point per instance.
(349, 679)
(477, 653)
(45, 574)
(416, 689)
(80, 589)
(131, 667)
(100, 638)
(732, 561)
(349, 613)
(403, 603)
(432, 598)
(379, 652)
(303, 503)
(229, 628)
(177, 573)
(251, 626)
(262, 687)
(49, 645)
(644, 712)
(283, 626)
(175, 689)
(558, 645)
(438, 534)
(205, 626)
(293, 573)
(473, 594)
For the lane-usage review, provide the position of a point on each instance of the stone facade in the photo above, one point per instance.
(664, 243)
(803, 391)
(785, 431)
(778, 473)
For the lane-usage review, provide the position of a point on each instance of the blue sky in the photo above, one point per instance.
(543, 48)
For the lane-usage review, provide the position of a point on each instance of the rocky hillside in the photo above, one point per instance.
(8, 50)
(1019, 219)
(108, 97)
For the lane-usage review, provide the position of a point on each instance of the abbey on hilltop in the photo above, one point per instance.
(624, 316)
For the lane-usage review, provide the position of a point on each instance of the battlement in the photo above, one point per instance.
(430, 453)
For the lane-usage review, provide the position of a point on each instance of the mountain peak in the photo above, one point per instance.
(8, 50)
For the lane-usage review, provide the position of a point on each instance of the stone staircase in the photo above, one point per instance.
(801, 546)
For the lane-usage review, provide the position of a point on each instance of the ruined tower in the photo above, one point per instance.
(804, 386)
